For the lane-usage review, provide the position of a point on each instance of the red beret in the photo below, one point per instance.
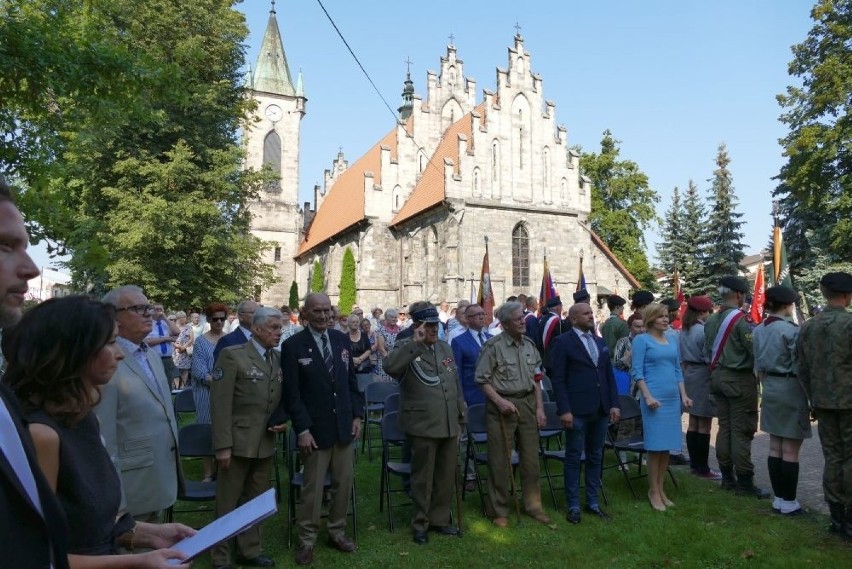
(700, 303)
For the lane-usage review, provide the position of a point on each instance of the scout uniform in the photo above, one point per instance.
(245, 392)
(615, 328)
(728, 347)
(431, 410)
(825, 370)
(509, 366)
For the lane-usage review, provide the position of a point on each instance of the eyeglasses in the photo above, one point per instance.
(140, 309)
(172, 319)
(218, 319)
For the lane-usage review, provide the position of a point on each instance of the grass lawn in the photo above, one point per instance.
(708, 528)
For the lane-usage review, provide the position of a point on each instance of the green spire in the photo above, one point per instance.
(271, 73)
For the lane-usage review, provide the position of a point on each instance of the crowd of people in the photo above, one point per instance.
(89, 459)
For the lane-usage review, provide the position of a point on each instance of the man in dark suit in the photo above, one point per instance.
(32, 525)
(432, 408)
(466, 348)
(246, 390)
(322, 398)
(245, 313)
(587, 401)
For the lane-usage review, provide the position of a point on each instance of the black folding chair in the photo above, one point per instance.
(195, 441)
(477, 451)
(391, 403)
(635, 443)
(364, 379)
(553, 430)
(374, 398)
(297, 481)
(392, 461)
(183, 403)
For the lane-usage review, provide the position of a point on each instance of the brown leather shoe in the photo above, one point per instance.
(500, 522)
(342, 544)
(305, 555)
(541, 518)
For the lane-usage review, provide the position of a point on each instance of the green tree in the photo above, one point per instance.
(815, 183)
(317, 278)
(149, 187)
(722, 235)
(671, 250)
(693, 223)
(347, 282)
(293, 302)
(623, 206)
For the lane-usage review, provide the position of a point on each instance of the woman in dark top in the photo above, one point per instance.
(359, 344)
(59, 355)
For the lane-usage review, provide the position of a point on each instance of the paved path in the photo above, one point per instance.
(811, 463)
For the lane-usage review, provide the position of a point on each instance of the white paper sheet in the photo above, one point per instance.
(229, 525)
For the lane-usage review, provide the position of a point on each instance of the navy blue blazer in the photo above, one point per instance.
(466, 352)
(314, 400)
(235, 338)
(29, 540)
(581, 387)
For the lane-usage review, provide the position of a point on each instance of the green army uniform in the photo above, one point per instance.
(431, 410)
(613, 330)
(734, 387)
(510, 368)
(245, 391)
(824, 350)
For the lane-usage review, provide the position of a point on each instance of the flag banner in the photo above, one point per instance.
(759, 297)
(581, 278)
(486, 295)
(548, 291)
(678, 295)
(780, 267)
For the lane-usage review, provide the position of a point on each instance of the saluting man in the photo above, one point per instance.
(246, 390)
(728, 347)
(432, 410)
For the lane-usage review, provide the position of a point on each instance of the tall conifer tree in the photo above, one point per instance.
(693, 238)
(347, 282)
(671, 250)
(723, 236)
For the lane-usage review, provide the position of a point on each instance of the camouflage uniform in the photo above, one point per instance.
(734, 387)
(824, 350)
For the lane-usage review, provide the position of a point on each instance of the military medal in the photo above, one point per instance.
(447, 362)
(217, 374)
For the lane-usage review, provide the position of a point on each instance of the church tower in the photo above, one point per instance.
(271, 137)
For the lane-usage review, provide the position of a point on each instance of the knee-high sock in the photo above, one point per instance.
(703, 440)
(773, 464)
(790, 476)
(692, 449)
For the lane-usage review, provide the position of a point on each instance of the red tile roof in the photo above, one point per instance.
(344, 205)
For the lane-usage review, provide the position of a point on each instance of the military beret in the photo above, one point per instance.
(642, 298)
(837, 282)
(554, 302)
(738, 284)
(700, 303)
(615, 300)
(671, 304)
(428, 314)
(781, 295)
(581, 296)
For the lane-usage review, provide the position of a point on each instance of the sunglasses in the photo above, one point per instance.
(218, 319)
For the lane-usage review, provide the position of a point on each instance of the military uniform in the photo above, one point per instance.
(509, 366)
(245, 391)
(613, 330)
(734, 387)
(431, 410)
(824, 349)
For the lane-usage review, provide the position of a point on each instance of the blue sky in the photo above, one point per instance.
(670, 79)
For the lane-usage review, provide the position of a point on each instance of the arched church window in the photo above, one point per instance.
(495, 161)
(397, 198)
(520, 256)
(477, 188)
(272, 156)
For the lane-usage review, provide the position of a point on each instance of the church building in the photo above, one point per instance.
(416, 208)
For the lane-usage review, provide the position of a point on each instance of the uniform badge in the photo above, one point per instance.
(344, 355)
(217, 374)
(447, 362)
(305, 361)
(280, 376)
(255, 373)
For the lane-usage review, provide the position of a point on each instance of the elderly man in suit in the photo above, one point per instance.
(32, 523)
(136, 414)
(246, 390)
(432, 410)
(587, 401)
(322, 398)
(245, 314)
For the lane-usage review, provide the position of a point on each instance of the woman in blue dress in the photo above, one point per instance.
(657, 374)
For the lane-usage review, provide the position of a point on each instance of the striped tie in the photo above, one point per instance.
(326, 355)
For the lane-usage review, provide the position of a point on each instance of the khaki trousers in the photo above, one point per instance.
(244, 479)
(433, 469)
(523, 429)
(338, 461)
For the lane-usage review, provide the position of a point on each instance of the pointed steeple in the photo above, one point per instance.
(271, 73)
(407, 95)
(300, 88)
